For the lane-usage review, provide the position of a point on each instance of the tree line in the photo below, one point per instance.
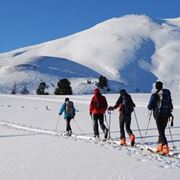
(63, 87)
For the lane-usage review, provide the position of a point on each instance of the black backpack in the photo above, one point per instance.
(127, 104)
(164, 103)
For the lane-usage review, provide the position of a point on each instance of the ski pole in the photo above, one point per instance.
(148, 125)
(108, 125)
(57, 123)
(78, 127)
(138, 126)
(92, 122)
(109, 112)
(106, 120)
(171, 135)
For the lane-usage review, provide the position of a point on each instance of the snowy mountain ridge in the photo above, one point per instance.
(132, 51)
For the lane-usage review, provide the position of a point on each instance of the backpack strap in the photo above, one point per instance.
(163, 103)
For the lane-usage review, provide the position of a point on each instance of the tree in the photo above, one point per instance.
(14, 90)
(24, 90)
(63, 87)
(103, 82)
(41, 89)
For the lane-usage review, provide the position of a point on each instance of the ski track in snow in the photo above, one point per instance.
(142, 154)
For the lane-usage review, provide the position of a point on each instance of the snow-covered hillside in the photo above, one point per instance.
(132, 51)
(28, 153)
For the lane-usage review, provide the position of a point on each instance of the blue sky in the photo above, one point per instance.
(28, 22)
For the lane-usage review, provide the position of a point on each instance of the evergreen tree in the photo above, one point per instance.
(14, 89)
(63, 87)
(24, 90)
(41, 89)
(103, 82)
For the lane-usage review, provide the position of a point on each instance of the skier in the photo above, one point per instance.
(161, 104)
(126, 107)
(69, 113)
(97, 108)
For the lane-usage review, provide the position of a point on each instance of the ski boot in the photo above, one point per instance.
(159, 148)
(132, 139)
(165, 150)
(66, 133)
(123, 141)
(96, 136)
(70, 132)
(106, 133)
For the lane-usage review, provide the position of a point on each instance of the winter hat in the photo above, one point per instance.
(122, 91)
(97, 91)
(66, 99)
(159, 85)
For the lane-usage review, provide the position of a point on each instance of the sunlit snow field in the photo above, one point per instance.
(28, 155)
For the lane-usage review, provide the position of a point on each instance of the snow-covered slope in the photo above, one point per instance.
(27, 155)
(132, 50)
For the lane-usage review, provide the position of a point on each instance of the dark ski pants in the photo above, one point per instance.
(98, 118)
(125, 119)
(68, 125)
(161, 122)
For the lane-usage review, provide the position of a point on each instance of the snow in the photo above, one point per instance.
(133, 51)
(32, 155)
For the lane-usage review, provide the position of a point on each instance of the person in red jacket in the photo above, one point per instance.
(98, 107)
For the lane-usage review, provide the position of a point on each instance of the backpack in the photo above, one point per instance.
(164, 103)
(70, 110)
(127, 106)
(100, 102)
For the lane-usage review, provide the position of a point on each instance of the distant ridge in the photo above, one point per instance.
(132, 51)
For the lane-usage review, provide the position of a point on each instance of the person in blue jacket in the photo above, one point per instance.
(161, 104)
(69, 112)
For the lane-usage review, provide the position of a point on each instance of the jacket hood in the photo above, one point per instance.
(97, 91)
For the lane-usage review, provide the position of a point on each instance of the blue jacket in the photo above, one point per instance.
(66, 115)
(166, 108)
(152, 102)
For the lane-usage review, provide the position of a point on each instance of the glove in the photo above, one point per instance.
(60, 114)
(90, 113)
(110, 108)
(171, 120)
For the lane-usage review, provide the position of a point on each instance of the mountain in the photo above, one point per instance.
(132, 51)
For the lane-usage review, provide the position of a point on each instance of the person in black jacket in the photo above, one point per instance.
(161, 104)
(126, 107)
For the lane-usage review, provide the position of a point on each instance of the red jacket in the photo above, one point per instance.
(98, 104)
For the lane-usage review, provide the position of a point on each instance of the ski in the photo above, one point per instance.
(128, 144)
(171, 154)
(144, 148)
(160, 154)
